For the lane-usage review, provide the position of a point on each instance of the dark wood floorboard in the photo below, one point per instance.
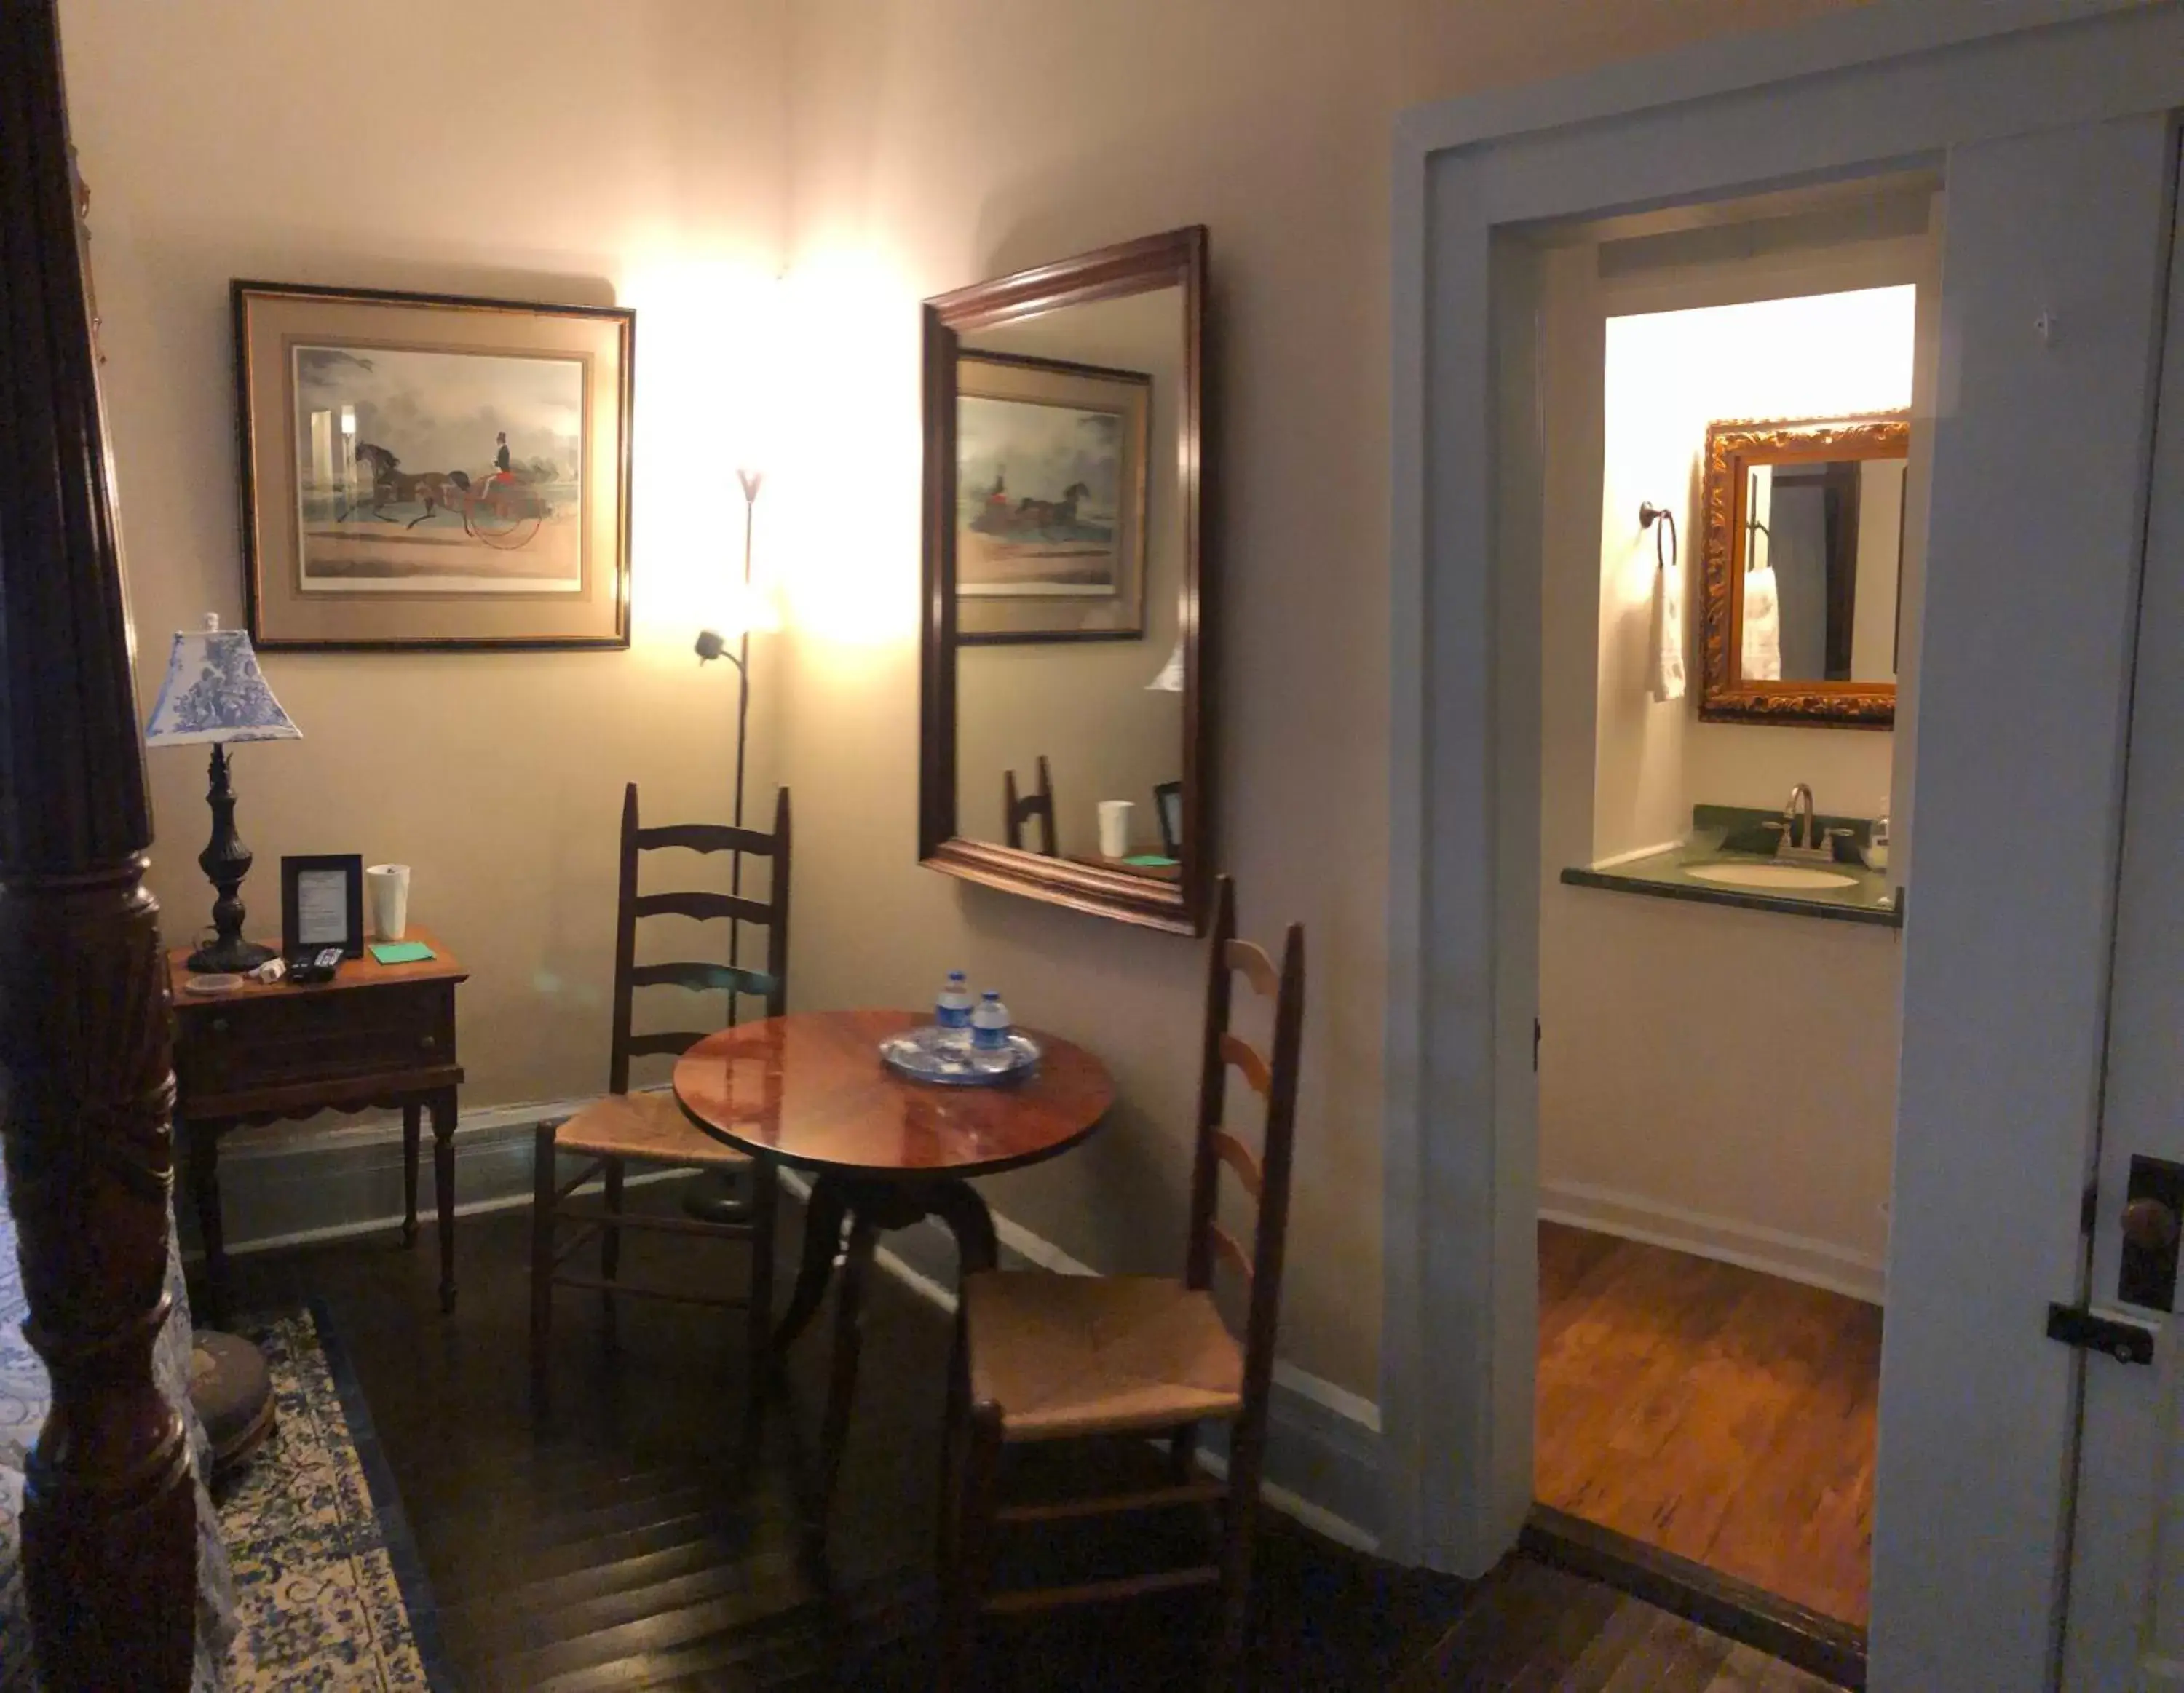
(1718, 1413)
(638, 1538)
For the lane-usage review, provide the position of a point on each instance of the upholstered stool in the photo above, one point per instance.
(232, 1392)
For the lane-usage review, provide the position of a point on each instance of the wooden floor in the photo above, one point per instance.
(636, 1541)
(1719, 1414)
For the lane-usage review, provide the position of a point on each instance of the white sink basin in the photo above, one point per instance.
(1782, 876)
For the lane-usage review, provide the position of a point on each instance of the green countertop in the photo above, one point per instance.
(1667, 874)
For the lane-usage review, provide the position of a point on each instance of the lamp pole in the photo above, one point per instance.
(712, 645)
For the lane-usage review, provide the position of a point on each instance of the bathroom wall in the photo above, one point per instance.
(1719, 1080)
(1668, 375)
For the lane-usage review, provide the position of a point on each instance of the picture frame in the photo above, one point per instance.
(432, 471)
(322, 903)
(1052, 473)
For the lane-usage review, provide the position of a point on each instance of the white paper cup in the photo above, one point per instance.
(389, 888)
(1114, 828)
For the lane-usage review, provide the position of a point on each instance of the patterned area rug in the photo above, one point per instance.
(329, 1591)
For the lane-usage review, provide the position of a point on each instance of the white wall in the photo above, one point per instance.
(1720, 1079)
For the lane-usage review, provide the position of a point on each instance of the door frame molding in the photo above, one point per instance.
(1875, 89)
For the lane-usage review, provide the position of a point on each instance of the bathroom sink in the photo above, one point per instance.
(1781, 876)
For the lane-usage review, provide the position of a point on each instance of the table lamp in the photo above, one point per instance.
(216, 693)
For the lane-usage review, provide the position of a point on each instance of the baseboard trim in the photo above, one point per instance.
(1820, 1645)
(1794, 1257)
(1323, 1441)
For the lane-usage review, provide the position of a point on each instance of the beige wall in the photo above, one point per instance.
(535, 155)
(943, 141)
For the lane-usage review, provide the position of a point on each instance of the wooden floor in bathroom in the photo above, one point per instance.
(1718, 1413)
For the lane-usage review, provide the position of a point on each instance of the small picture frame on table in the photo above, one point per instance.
(322, 903)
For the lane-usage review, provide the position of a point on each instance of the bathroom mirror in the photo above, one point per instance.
(1063, 739)
(1804, 543)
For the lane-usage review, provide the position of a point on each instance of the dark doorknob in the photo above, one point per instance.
(2149, 1225)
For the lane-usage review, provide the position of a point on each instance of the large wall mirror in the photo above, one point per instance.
(1063, 733)
(1804, 547)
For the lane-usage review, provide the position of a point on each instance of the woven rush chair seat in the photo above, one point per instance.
(1062, 1355)
(645, 1128)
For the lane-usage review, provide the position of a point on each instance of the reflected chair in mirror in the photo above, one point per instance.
(1039, 803)
(1168, 812)
(649, 1127)
(1043, 1357)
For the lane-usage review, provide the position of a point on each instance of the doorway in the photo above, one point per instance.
(2051, 126)
(1728, 396)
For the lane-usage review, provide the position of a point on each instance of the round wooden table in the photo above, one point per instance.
(809, 1090)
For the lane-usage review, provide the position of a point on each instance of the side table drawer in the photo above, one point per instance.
(268, 1042)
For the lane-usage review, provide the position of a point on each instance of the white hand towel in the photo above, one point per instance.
(1664, 667)
(1763, 626)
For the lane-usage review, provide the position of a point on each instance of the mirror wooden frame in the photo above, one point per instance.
(1176, 260)
(1724, 696)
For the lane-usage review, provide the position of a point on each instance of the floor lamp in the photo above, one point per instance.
(713, 1197)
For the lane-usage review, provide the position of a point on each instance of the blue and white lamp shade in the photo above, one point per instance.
(215, 691)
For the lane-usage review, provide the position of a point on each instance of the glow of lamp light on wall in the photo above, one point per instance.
(845, 485)
(709, 362)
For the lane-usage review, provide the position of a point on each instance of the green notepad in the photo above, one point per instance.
(1149, 861)
(401, 951)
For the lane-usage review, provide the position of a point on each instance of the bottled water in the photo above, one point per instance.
(952, 1011)
(989, 1030)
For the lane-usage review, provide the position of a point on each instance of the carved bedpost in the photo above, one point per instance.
(108, 1526)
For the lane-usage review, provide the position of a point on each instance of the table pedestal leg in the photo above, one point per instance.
(848, 1347)
(823, 1215)
(870, 1206)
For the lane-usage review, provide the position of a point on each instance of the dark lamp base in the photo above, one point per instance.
(230, 955)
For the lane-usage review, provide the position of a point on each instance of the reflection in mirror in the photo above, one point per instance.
(1068, 580)
(1804, 545)
(1062, 501)
(1822, 542)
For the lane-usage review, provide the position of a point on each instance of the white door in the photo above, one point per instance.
(2126, 1600)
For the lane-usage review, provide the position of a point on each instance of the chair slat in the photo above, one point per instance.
(1238, 1157)
(701, 977)
(1241, 1054)
(1097, 1592)
(668, 1045)
(706, 838)
(701, 906)
(1258, 969)
(1111, 1504)
(1228, 1247)
(643, 1290)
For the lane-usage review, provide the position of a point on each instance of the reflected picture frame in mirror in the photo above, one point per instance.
(1734, 451)
(1171, 897)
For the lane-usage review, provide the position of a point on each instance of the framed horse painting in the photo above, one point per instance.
(428, 471)
(1051, 496)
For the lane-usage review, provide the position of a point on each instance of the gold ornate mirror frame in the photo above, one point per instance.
(1731, 449)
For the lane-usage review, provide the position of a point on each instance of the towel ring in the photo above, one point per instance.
(1664, 536)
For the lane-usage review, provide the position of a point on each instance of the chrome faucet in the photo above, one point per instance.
(1801, 834)
(1800, 805)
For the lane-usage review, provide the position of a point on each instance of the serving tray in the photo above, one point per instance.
(932, 1053)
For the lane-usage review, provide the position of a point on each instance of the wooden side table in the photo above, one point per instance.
(377, 1034)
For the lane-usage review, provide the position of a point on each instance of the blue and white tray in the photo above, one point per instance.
(933, 1054)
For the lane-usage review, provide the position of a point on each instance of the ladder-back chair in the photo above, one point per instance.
(1016, 811)
(1042, 1358)
(649, 1127)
